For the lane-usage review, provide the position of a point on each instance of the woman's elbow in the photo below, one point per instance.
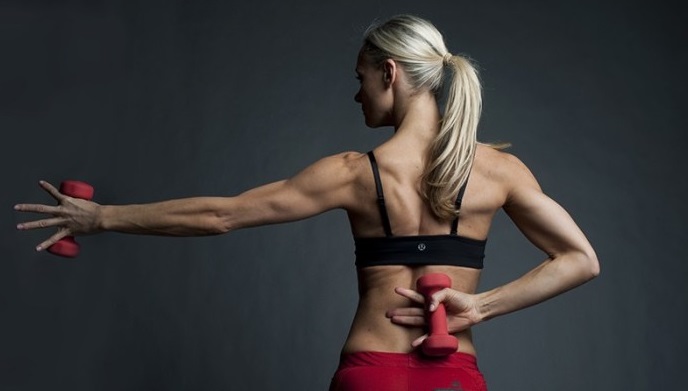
(583, 264)
(591, 264)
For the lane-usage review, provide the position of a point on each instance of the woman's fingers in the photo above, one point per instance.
(439, 297)
(38, 208)
(410, 294)
(52, 190)
(418, 341)
(52, 240)
(408, 320)
(405, 311)
(56, 221)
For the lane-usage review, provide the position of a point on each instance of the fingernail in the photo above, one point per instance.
(16, 207)
(19, 226)
(38, 248)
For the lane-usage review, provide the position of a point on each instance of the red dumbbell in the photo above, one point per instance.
(439, 342)
(67, 246)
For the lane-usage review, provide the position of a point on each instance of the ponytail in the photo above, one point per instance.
(453, 150)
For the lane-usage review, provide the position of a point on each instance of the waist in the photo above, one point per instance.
(371, 330)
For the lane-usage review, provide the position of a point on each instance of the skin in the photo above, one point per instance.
(390, 315)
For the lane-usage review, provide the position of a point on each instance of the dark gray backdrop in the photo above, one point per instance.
(163, 99)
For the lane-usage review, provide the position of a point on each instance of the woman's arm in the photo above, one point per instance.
(322, 186)
(571, 259)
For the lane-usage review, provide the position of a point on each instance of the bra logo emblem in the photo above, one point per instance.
(421, 247)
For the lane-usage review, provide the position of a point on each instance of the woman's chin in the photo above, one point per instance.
(372, 123)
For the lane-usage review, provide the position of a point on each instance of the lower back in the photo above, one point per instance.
(373, 331)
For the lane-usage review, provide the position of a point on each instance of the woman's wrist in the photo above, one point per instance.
(102, 217)
(99, 218)
(484, 304)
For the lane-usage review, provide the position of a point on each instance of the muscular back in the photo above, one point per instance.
(410, 215)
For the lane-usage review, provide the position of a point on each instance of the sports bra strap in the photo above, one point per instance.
(459, 199)
(383, 209)
(380, 196)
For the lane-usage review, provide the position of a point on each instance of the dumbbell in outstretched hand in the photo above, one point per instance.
(439, 342)
(67, 246)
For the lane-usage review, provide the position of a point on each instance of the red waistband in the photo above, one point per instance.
(409, 360)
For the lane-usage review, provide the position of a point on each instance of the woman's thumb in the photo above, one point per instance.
(437, 298)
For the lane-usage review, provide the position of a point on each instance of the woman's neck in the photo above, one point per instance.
(417, 121)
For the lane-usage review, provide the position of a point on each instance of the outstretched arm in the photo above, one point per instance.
(322, 186)
(571, 260)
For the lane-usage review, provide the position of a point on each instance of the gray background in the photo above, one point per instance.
(165, 99)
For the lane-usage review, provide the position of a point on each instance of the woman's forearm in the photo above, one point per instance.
(549, 279)
(197, 216)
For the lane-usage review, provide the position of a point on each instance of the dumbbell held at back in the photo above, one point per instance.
(62, 243)
(439, 342)
(460, 310)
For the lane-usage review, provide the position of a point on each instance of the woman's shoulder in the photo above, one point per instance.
(348, 160)
(502, 167)
(346, 166)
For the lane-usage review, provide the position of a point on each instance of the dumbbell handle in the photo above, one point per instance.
(439, 342)
(437, 318)
(67, 246)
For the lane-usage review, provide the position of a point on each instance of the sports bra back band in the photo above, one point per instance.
(451, 249)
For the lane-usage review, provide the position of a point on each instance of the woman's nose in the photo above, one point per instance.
(357, 97)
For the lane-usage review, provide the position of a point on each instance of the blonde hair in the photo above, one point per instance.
(419, 48)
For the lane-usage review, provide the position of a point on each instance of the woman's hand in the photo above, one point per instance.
(72, 216)
(462, 310)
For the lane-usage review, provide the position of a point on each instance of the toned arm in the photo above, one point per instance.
(324, 185)
(571, 259)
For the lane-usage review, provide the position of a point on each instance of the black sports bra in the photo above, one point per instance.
(449, 249)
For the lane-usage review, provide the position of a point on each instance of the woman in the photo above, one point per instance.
(403, 202)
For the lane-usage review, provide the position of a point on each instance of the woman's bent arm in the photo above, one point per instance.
(572, 260)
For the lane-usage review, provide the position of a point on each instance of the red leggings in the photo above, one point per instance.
(380, 371)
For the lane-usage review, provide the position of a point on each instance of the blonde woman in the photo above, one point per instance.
(420, 202)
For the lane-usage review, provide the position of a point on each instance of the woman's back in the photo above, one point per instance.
(409, 214)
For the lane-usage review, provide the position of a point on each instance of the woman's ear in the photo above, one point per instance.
(389, 72)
